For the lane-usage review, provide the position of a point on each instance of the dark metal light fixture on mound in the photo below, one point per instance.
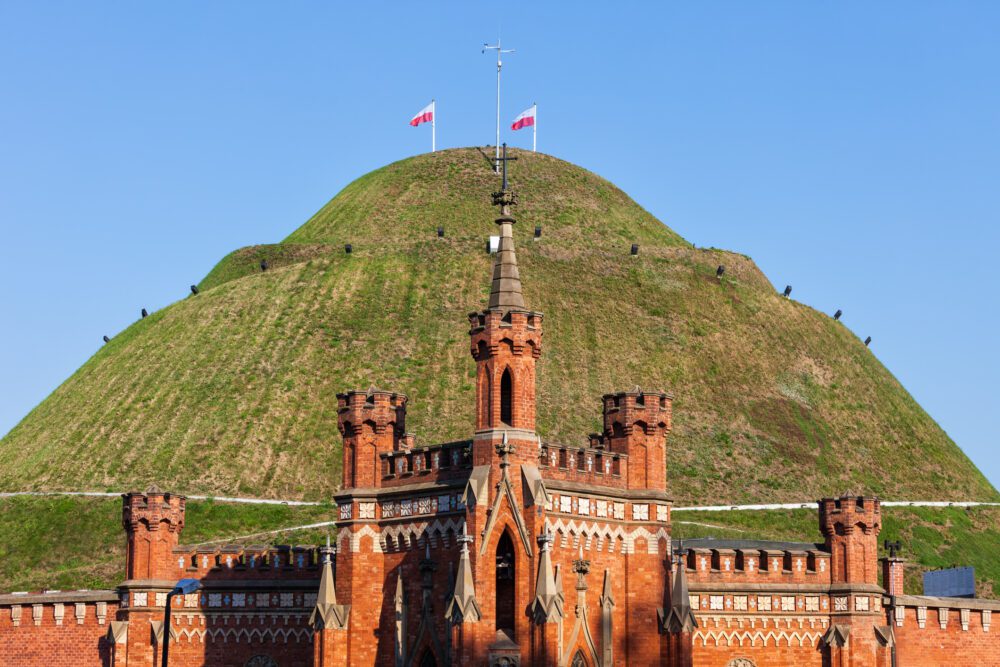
(107, 340)
(635, 248)
(194, 289)
(788, 291)
(145, 313)
(836, 315)
(263, 265)
(440, 232)
(868, 341)
(719, 271)
(538, 231)
(348, 248)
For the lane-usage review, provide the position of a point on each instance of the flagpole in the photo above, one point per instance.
(500, 51)
(434, 115)
(534, 131)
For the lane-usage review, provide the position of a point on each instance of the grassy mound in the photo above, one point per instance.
(232, 391)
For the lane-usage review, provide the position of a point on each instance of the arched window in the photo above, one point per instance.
(506, 397)
(579, 660)
(505, 578)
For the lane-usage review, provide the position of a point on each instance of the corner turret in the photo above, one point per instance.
(851, 525)
(371, 422)
(153, 522)
(636, 423)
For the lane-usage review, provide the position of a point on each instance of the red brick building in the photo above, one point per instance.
(504, 549)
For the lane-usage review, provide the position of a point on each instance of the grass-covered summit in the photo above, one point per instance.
(233, 391)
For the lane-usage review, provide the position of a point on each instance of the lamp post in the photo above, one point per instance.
(183, 587)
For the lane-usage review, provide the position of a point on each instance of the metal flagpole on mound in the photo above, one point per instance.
(434, 117)
(534, 130)
(489, 47)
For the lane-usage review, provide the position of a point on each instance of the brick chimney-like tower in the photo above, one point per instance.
(153, 522)
(851, 525)
(372, 423)
(636, 424)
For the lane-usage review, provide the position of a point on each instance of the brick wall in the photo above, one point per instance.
(56, 630)
(968, 637)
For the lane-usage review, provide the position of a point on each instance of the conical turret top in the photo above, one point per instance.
(505, 292)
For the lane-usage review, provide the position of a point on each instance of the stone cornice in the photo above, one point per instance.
(942, 603)
(63, 597)
(605, 491)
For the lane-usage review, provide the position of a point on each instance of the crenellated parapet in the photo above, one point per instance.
(372, 423)
(636, 423)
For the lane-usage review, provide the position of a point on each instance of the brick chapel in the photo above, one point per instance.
(503, 550)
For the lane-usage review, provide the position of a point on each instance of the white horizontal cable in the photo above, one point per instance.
(694, 508)
(813, 505)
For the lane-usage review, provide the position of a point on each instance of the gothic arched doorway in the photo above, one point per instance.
(505, 576)
(579, 660)
(428, 659)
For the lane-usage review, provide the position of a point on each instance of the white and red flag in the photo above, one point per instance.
(527, 118)
(426, 115)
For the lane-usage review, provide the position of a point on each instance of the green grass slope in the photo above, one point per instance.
(232, 391)
(66, 542)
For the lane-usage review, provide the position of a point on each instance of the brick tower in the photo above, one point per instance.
(153, 522)
(506, 342)
(858, 634)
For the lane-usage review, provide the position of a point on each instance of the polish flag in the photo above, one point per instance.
(425, 115)
(526, 119)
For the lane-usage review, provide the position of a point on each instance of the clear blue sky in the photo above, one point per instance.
(851, 149)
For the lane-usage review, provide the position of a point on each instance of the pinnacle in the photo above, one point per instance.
(505, 292)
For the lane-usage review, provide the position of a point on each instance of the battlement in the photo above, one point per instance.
(589, 465)
(522, 329)
(843, 515)
(428, 464)
(624, 411)
(240, 562)
(755, 562)
(383, 409)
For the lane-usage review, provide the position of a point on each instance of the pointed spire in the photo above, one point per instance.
(463, 606)
(607, 600)
(327, 613)
(547, 605)
(680, 618)
(505, 293)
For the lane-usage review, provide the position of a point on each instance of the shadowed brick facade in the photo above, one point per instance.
(504, 549)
